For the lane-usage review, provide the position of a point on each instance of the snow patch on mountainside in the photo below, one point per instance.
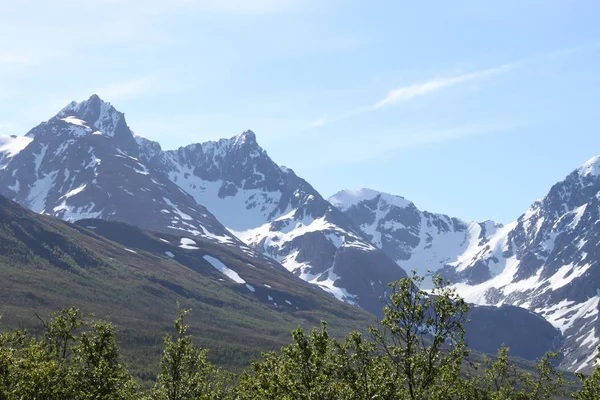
(245, 210)
(590, 167)
(345, 199)
(493, 249)
(414, 239)
(74, 191)
(188, 244)
(228, 272)
(73, 213)
(74, 121)
(328, 284)
(10, 146)
(36, 200)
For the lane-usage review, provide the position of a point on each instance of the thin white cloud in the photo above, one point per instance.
(405, 93)
(410, 92)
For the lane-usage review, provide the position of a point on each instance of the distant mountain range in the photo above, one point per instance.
(86, 163)
(547, 261)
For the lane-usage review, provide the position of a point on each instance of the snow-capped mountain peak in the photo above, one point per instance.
(347, 198)
(279, 214)
(547, 261)
(247, 138)
(415, 239)
(94, 113)
(84, 163)
(590, 167)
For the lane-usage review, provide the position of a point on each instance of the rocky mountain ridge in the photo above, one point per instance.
(546, 261)
(86, 163)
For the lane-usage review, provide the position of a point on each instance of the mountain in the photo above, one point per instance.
(86, 163)
(279, 214)
(241, 306)
(546, 261)
(222, 210)
(414, 239)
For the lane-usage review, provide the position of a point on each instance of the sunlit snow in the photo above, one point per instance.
(231, 274)
(188, 244)
(11, 146)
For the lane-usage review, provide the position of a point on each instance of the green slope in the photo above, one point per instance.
(47, 264)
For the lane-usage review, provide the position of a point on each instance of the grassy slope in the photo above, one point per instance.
(47, 264)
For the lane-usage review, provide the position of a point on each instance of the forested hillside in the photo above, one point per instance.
(417, 351)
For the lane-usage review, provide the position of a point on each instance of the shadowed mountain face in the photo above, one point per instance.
(86, 163)
(528, 335)
(241, 305)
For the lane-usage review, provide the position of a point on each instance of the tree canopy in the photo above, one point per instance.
(416, 351)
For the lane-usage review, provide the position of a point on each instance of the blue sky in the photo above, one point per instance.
(469, 108)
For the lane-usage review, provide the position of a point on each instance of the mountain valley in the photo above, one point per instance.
(221, 219)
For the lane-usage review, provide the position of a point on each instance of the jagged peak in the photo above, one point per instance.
(245, 138)
(347, 198)
(96, 113)
(245, 141)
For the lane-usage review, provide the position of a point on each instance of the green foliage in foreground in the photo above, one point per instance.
(417, 351)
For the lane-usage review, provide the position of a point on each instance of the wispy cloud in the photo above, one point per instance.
(405, 93)
(415, 90)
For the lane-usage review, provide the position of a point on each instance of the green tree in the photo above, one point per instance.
(422, 335)
(499, 380)
(365, 373)
(74, 359)
(30, 370)
(547, 383)
(185, 373)
(305, 370)
(97, 369)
